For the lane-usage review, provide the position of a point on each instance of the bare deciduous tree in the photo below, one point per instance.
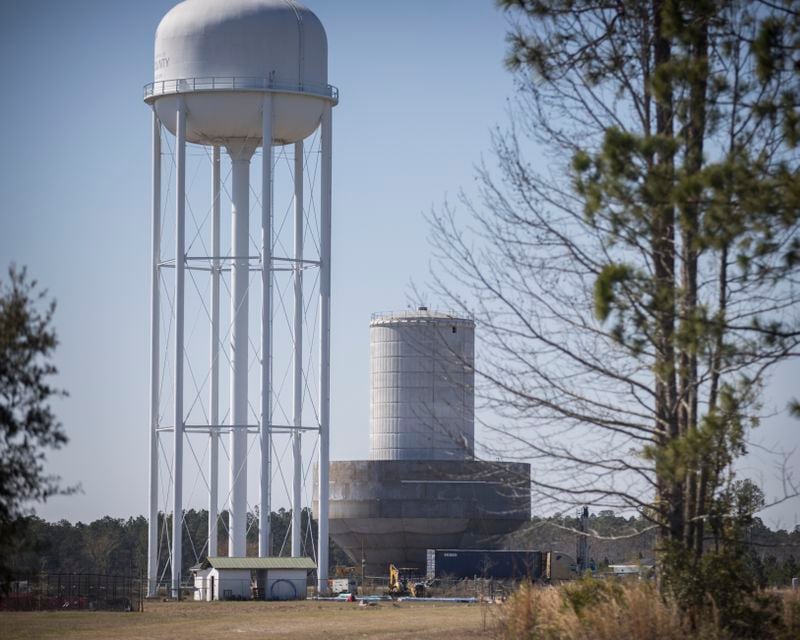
(637, 280)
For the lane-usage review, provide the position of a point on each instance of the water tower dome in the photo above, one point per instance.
(222, 55)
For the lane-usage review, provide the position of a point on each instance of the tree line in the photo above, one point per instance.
(772, 555)
(118, 546)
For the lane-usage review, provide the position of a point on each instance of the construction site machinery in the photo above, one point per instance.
(405, 582)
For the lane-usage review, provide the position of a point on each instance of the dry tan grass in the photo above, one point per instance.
(249, 620)
(791, 608)
(640, 614)
(596, 610)
(532, 613)
(633, 612)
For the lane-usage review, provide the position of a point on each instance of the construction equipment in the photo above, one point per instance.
(405, 582)
(342, 571)
(342, 585)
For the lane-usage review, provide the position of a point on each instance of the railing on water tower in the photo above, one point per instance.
(194, 85)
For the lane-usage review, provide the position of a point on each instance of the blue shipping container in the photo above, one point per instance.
(485, 563)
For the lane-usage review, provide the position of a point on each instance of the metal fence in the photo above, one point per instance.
(64, 591)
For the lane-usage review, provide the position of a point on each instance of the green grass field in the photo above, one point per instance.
(246, 620)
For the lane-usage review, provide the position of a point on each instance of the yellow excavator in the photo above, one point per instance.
(405, 582)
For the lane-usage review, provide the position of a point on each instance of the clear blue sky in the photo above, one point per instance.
(421, 84)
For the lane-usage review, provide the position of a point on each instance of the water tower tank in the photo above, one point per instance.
(422, 386)
(222, 55)
(235, 75)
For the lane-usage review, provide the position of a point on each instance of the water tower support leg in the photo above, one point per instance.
(240, 152)
(297, 449)
(265, 432)
(180, 259)
(325, 349)
(152, 527)
(213, 458)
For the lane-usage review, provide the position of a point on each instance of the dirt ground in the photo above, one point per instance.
(246, 620)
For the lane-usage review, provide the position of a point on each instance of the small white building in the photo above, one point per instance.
(222, 578)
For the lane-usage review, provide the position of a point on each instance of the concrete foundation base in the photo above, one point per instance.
(392, 511)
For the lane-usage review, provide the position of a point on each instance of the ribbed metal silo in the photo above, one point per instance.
(422, 386)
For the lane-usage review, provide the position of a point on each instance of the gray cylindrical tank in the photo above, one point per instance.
(422, 386)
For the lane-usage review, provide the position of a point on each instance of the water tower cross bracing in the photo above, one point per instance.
(232, 77)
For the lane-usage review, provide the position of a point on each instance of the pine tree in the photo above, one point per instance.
(28, 426)
(635, 293)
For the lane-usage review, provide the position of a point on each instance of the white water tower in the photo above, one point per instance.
(233, 76)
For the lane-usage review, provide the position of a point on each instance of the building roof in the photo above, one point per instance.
(421, 316)
(222, 562)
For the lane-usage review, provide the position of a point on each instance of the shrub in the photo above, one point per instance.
(591, 609)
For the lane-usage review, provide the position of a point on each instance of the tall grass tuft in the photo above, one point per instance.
(791, 613)
(591, 609)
